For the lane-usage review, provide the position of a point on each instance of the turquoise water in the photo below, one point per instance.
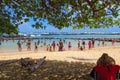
(10, 45)
(79, 36)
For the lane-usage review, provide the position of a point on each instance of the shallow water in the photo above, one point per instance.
(11, 46)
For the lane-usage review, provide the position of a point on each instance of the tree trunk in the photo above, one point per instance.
(8, 62)
(38, 64)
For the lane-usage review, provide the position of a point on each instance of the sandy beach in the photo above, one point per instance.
(70, 56)
(70, 64)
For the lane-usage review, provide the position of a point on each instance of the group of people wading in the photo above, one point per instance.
(60, 45)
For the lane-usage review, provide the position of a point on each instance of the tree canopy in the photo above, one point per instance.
(59, 13)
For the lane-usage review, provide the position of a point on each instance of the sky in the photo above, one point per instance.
(26, 27)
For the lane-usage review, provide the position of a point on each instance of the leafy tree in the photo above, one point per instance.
(7, 27)
(61, 13)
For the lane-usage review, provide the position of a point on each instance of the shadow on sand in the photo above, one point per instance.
(50, 70)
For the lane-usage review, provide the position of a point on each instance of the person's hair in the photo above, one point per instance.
(105, 59)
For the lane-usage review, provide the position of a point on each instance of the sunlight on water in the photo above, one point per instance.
(10, 45)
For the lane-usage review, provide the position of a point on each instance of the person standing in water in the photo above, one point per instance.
(83, 44)
(89, 44)
(69, 45)
(36, 47)
(19, 46)
(113, 41)
(93, 42)
(60, 45)
(78, 44)
(29, 45)
(103, 42)
(53, 45)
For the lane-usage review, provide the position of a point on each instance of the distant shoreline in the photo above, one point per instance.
(59, 33)
(52, 35)
(25, 38)
(80, 33)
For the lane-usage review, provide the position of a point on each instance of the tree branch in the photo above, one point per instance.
(91, 4)
(100, 8)
(94, 1)
(15, 3)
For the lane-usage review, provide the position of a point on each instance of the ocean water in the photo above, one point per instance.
(79, 36)
(11, 45)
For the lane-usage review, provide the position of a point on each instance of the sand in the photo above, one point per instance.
(70, 56)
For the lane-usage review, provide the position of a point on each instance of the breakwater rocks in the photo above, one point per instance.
(25, 38)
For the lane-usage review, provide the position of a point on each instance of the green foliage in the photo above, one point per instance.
(62, 13)
(7, 27)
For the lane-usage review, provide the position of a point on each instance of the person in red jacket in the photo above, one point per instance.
(106, 72)
(106, 69)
